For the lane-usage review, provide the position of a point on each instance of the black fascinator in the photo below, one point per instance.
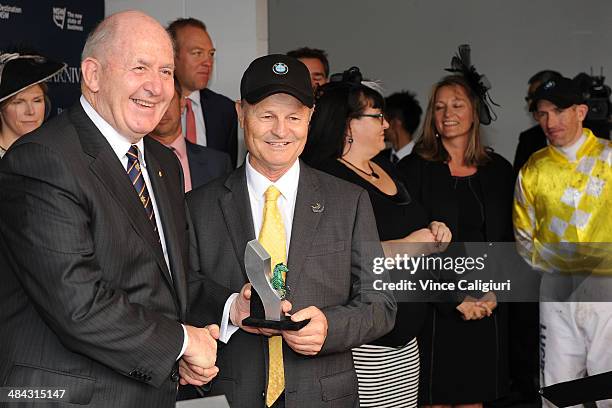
(341, 80)
(350, 78)
(461, 64)
(351, 75)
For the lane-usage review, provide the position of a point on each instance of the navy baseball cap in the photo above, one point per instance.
(561, 91)
(276, 73)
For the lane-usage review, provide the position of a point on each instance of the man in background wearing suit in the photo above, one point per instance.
(317, 63)
(200, 164)
(209, 118)
(320, 227)
(532, 139)
(403, 113)
(93, 238)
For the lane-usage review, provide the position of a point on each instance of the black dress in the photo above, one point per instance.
(464, 362)
(388, 369)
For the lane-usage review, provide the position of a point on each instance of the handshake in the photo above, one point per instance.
(197, 365)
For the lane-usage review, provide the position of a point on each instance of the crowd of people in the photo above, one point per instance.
(124, 223)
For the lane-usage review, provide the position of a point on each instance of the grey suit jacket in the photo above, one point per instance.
(330, 262)
(87, 302)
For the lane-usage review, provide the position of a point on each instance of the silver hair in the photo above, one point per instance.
(98, 40)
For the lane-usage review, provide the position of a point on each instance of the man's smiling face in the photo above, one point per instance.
(275, 131)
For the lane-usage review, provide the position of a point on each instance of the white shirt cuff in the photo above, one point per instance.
(227, 328)
(185, 342)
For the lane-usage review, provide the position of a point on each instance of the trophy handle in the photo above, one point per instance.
(258, 268)
(264, 299)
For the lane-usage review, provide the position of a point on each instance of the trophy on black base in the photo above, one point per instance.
(267, 291)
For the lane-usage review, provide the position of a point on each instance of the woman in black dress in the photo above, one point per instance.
(470, 188)
(346, 133)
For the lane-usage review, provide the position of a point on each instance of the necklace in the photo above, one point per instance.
(371, 174)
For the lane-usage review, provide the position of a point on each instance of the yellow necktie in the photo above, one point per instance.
(272, 237)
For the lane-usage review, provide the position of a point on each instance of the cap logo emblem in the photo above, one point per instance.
(549, 84)
(280, 68)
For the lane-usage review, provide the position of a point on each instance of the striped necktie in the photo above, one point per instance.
(134, 170)
(272, 237)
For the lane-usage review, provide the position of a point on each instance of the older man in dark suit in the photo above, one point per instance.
(320, 227)
(209, 118)
(200, 164)
(93, 238)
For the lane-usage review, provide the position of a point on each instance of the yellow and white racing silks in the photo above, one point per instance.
(562, 210)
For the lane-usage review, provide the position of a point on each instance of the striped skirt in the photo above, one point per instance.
(388, 376)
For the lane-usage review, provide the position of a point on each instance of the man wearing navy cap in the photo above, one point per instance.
(320, 227)
(562, 225)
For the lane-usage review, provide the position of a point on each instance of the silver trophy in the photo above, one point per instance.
(266, 293)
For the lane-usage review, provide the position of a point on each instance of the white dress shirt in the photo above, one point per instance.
(403, 152)
(257, 184)
(120, 145)
(196, 105)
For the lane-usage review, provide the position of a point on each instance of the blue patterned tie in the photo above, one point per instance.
(135, 173)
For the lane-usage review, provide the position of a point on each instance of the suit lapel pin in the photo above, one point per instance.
(160, 173)
(317, 207)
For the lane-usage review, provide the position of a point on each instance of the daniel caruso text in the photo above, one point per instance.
(458, 265)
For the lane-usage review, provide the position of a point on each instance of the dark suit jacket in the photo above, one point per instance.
(530, 141)
(221, 123)
(330, 267)
(385, 157)
(87, 302)
(430, 184)
(206, 164)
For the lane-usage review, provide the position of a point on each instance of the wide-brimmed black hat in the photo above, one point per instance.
(276, 73)
(19, 71)
(563, 92)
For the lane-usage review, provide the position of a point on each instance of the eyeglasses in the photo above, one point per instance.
(380, 116)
